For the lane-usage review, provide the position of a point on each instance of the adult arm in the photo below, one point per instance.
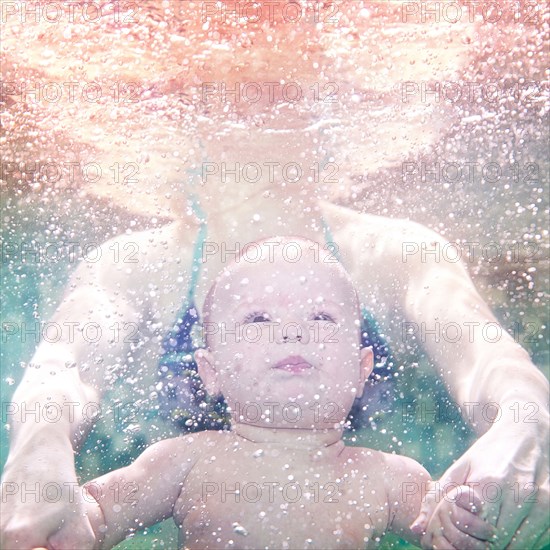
(501, 392)
(50, 413)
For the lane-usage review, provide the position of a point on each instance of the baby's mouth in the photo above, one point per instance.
(294, 364)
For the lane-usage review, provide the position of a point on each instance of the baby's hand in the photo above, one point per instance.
(456, 523)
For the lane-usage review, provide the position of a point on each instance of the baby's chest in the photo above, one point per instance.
(275, 504)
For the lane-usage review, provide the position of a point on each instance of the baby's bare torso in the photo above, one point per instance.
(242, 494)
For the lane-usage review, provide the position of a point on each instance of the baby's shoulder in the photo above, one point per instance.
(178, 456)
(364, 455)
(206, 442)
(387, 464)
(404, 466)
(367, 463)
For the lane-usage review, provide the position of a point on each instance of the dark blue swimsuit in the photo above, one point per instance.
(183, 398)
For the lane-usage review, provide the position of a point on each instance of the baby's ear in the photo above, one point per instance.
(366, 366)
(207, 371)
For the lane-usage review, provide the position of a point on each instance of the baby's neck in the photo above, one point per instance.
(291, 438)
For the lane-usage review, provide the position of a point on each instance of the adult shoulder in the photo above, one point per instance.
(127, 261)
(347, 223)
(371, 247)
(141, 276)
(172, 241)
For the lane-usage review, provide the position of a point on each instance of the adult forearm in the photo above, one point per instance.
(57, 407)
(480, 362)
(503, 387)
(47, 422)
(501, 393)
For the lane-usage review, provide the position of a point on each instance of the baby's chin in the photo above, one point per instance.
(279, 410)
(288, 422)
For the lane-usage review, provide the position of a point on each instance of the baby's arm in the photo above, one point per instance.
(139, 495)
(406, 481)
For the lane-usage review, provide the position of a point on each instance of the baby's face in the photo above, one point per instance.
(284, 342)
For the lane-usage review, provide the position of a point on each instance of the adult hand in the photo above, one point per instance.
(507, 468)
(42, 505)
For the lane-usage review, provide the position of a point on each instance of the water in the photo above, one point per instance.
(383, 141)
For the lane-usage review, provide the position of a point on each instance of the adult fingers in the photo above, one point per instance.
(543, 540)
(74, 534)
(465, 508)
(467, 499)
(472, 525)
(440, 542)
(21, 534)
(514, 509)
(454, 532)
(530, 535)
(532, 528)
(533, 532)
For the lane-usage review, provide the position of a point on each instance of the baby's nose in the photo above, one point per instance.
(292, 332)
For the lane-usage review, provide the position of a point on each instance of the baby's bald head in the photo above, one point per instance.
(271, 263)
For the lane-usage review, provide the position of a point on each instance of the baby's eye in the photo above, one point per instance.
(257, 317)
(322, 316)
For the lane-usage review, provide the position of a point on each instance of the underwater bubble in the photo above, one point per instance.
(239, 529)
(132, 428)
